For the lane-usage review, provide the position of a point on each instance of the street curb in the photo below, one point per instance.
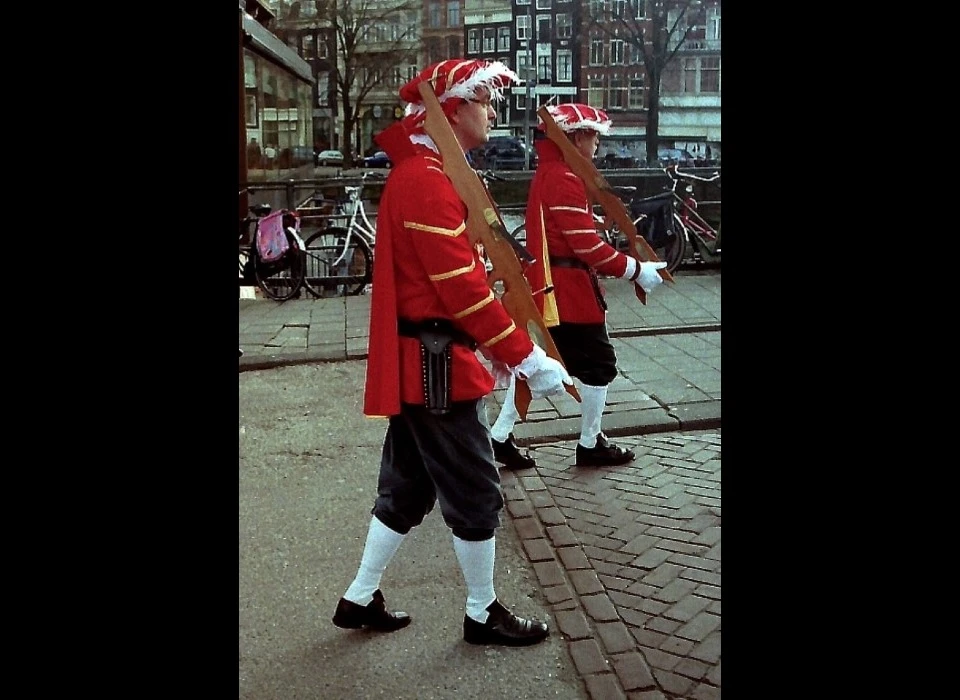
(703, 415)
(259, 362)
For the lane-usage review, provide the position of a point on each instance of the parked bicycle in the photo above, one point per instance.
(697, 232)
(339, 254)
(272, 256)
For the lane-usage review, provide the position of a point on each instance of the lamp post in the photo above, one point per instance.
(530, 70)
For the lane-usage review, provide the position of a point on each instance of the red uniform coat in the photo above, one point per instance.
(426, 267)
(560, 223)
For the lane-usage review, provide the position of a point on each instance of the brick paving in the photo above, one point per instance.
(629, 558)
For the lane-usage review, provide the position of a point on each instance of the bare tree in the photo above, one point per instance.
(373, 39)
(656, 34)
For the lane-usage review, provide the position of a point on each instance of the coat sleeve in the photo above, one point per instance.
(569, 208)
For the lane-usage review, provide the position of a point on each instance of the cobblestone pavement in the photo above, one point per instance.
(629, 557)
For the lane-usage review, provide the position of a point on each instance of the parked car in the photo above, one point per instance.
(502, 153)
(616, 161)
(330, 157)
(676, 156)
(378, 160)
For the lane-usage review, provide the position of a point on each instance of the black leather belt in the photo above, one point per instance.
(413, 329)
(578, 264)
(435, 336)
(568, 262)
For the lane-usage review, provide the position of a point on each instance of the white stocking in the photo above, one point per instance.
(592, 401)
(382, 544)
(476, 562)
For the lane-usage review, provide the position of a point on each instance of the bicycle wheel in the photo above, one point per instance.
(331, 271)
(281, 280)
(520, 233)
(672, 248)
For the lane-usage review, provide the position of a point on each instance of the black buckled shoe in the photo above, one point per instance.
(503, 627)
(604, 454)
(508, 454)
(373, 615)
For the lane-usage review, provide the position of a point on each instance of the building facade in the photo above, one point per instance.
(587, 51)
(275, 102)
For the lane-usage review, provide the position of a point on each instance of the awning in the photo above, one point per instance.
(272, 48)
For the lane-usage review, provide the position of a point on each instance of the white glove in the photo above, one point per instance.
(649, 278)
(545, 376)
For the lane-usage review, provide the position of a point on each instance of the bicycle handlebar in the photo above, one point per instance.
(490, 176)
(673, 172)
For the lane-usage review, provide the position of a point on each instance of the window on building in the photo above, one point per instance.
(309, 45)
(521, 98)
(503, 38)
(564, 65)
(710, 74)
(670, 80)
(323, 47)
(596, 52)
(473, 41)
(453, 14)
(523, 26)
(618, 92)
(619, 8)
(544, 68)
(639, 8)
(522, 64)
(635, 92)
(489, 40)
(413, 26)
(544, 28)
(270, 92)
(616, 52)
(543, 4)
(690, 75)
(713, 23)
(523, 2)
(564, 25)
(323, 90)
(433, 14)
(595, 91)
(595, 8)
(435, 51)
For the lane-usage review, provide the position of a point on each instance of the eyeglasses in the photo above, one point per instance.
(487, 102)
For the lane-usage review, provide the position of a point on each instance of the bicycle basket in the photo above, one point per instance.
(658, 225)
(272, 241)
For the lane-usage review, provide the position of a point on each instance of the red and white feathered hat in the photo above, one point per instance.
(455, 80)
(573, 116)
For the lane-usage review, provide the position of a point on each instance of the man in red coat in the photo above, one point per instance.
(431, 309)
(562, 236)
